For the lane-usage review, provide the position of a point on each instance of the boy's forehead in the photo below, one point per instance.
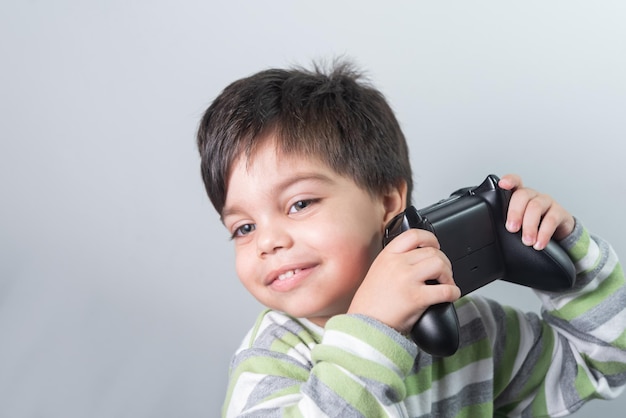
(269, 173)
(269, 161)
(272, 154)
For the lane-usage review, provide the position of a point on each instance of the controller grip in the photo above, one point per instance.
(437, 331)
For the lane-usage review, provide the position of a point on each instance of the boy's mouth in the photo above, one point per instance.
(288, 274)
(287, 278)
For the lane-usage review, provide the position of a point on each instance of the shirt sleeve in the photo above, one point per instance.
(577, 352)
(357, 368)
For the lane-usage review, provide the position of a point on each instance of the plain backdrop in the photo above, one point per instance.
(118, 296)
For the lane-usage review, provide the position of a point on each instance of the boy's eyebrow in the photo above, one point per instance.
(317, 177)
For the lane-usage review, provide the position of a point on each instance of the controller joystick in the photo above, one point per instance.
(470, 228)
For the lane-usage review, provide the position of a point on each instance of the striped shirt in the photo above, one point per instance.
(509, 363)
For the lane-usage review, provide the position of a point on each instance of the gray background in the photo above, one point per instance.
(117, 292)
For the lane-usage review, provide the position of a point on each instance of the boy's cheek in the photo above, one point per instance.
(245, 265)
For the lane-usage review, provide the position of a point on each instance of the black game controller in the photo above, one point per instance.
(470, 228)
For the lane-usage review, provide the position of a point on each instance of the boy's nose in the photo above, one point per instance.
(271, 239)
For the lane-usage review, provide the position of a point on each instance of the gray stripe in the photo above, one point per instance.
(389, 332)
(584, 278)
(258, 353)
(264, 413)
(421, 361)
(266, 387)
(569, 370)
(572, 238)
(576, 333)
(328, 401)
(601, 313)
(381, 391)
(472, 394)
(616, 380)
(472, 332)
(515, 387)
(499, 316)
(275, 332)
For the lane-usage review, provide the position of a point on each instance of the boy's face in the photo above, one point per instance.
(304, 235)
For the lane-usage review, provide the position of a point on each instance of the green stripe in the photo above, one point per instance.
(511, 350)
(620, 341)
(420, 382)
(580, 249)
(540, 403)
(475, 411)
(288, 341)
(270, 366)
(440, 368)
(265, 366)
(580, 305)
(607, 368)
(479, 350)
(584, 386)
(293, 411)
(345, 387)
(462, 302)
(285, 392)
(537, 378)
(257, 326)
(358, 328)
(361, 367)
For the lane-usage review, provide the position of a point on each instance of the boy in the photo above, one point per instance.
(305, 170)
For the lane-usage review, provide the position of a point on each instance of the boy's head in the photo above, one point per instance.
(333, 116)
(305, 170)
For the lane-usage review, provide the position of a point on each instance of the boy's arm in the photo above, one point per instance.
(579, 350)
(357, 369)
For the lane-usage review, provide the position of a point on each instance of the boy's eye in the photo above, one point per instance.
(244, 230)
(299, 205)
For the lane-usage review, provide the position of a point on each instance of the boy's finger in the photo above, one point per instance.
(411, 239)
(510, 182)
(536, 209)
(553, 219)
(517, 209)
(439, 293)
(431, 265)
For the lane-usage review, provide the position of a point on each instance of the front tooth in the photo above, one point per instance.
(288, 274)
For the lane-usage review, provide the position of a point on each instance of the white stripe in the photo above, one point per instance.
(468, 312)
(554, 395)
(451, 384)
(612, 329)
(479, 308)
(599, 382)
(558, 302)
(243, 388)
(526, 342)
(359, 348)
(597, 353)
(397, 409)
(302, 353)
(589, 260)
(274, 317)
(308, 407)
(555, 404)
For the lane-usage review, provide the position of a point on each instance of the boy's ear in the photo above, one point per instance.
(394, 201)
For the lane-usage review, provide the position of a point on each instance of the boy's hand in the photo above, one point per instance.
(538, 216)
(395, 290)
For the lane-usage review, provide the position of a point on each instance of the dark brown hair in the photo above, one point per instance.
(335, 116)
